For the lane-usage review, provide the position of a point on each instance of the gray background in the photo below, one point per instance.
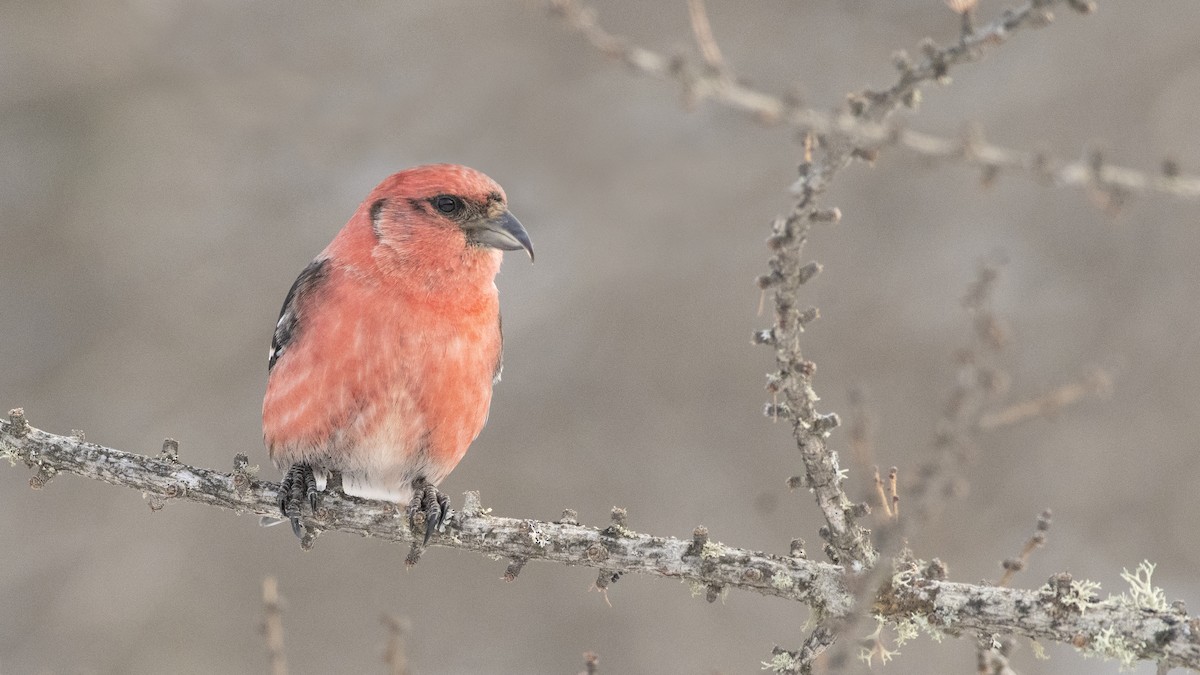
(166, 168)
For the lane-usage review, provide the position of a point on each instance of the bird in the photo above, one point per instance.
(389, 343)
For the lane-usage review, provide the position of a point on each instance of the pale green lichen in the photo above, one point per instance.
(904, 576)
(1142, 593)
(1108, 644)
(697, 589)
(710, 551)
(922, 623)
(1081, 595)
(782, 581)
(1085, 589)
(906, 629)
(880, 622)
(1039, 652)
(866, 655)
(783, 662)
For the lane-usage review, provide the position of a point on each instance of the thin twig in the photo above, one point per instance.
(884, 504)
(953, 445)
(869, 135)
(860, 432)
(975, 383)
(273, 626)
(395, 655)
(591, 663)
(893, 491)
(1035, 541)
(1097, 383)
(801, 661)
(991, 655)
(702, 31)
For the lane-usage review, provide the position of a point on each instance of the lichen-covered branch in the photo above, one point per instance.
(616, 548)
(1129, 627)
(794, 399)
(868, 132)
(1141, 626)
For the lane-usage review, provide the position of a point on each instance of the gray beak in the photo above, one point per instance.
(504, 232)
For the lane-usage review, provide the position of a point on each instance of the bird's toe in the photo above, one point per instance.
(429, 508)
(299, 486)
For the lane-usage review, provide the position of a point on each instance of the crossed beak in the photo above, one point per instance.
(504, 232)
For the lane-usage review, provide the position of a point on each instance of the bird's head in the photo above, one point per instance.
(437, 220)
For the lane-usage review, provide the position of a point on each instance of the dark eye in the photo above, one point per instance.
(447, 204)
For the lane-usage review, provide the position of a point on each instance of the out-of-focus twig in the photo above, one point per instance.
(866, 132)
(888, 494)
(591, 663)
(976, 382)
(273, 626)
(953, 447)
(702, 31)
(395, 654)
(1096, 383)
(860, 431)
(991, 655)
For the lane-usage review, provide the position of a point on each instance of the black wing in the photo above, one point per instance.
(289, 315)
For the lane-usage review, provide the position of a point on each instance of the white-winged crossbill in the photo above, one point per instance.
(388, 344)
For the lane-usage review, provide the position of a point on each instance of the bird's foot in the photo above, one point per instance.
(431, 506)
(299, 485)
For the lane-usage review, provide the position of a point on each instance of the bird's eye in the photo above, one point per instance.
(448, 205)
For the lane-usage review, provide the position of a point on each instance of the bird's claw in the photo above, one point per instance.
(433, 505)
(299, 485)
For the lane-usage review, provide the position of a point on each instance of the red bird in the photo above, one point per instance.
(388, 344)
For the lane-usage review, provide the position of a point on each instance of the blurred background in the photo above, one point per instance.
(168, 167)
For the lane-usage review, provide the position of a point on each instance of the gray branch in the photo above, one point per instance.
(1058, 612)
(1061, 611)
(614, 549)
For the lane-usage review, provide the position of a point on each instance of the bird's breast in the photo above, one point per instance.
(439, 362)
(388, 384)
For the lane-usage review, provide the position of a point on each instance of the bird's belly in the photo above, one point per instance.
(422, 426)
(389, 451)
(385, 405)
